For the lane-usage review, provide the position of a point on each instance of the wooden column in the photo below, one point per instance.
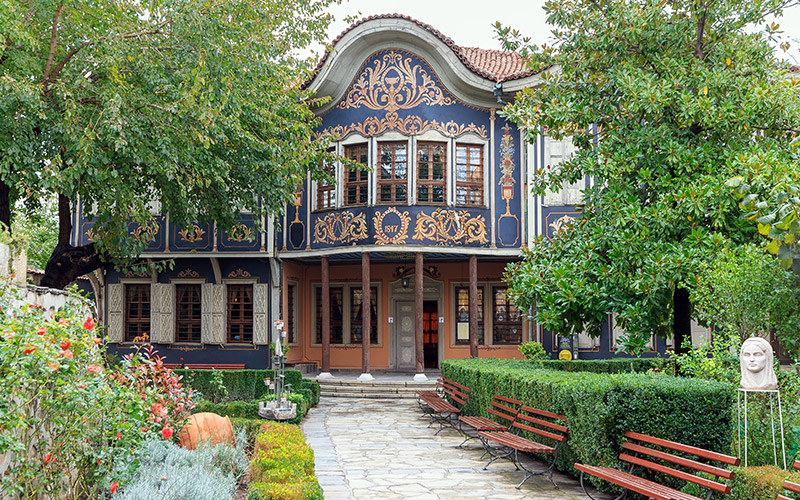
(473, 306)
(366, 310)
(418, 294)
(326, 317)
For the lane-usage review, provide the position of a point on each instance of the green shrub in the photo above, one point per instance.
(313, 386)
(221, 386)
(283, 466)
(617, 365)
(533, 350)
(600, 408)
(249, 426)
(753, 483)
(235, 409)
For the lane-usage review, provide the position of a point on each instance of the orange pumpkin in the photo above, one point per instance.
(202, 427)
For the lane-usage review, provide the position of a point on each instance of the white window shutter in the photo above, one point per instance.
(260, 313)
(116, 312)
(212, 316)
(162, 310)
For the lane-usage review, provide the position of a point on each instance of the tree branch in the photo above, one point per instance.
(701, 26)
(53, 45)
(66, 59)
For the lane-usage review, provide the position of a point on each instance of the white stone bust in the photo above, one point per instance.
(755, 360)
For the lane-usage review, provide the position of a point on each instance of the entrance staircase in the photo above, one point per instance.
(391, 388)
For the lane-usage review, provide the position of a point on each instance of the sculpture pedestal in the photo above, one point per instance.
(742, 394)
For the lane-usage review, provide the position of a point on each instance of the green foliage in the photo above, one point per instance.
(747, 293)
(37, 222)
(250, 427)
(753, 483)
(313, 386)
(717, 361)
(196, 105)
(662, 101)
(601, 407)
(533, 351)
(174, 473)
(618, 365)
(233, 409)
(283, 466)
(238, 385)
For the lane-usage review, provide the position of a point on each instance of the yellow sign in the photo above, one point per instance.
(565, 355)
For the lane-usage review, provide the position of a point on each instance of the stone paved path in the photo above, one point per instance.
(375, 450)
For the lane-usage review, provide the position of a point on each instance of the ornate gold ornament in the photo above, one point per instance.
(562, 224)
(239, 232)
(409, 125)
(188, 273)
(147, 232)
(507, 166)
(192, 234)
(394, 82)
(445, 226)
(340, 227)
(400, 230)
(239, 273)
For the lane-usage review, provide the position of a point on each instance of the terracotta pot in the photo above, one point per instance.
(202, 427)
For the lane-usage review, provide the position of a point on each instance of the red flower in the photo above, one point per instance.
(47, 458)
(166, 432)
(29, 349)
(41, 331)
(93, 368)
(65, 345)
(114, 486)
(97, 340)
(63, 321)
(89, 323)
(119, 435)
(67, 354)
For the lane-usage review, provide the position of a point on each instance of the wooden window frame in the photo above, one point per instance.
(481, 317)
(430, 183)
(393, 181)
(334, 321)
(326, 193)
(242, 324)
(291, 320)
(361, 181)
(505, 323)
(470, 185)
(356, 322)
(142, 323)
(191, 321)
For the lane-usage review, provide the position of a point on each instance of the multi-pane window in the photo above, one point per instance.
(356, 180)
(393, 172)
(431, 167)
(240, 313)
(137, 311)
(356, 318)
(291, 291)
(462, 315)
(326, 193)
(336, 315)
(469, 174)
(187, 317)
(507, 320)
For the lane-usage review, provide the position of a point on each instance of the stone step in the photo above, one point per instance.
(368, 395)
(373, 390)
(375, 383)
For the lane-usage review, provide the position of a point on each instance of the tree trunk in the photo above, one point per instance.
(682, 321)
(5, 205)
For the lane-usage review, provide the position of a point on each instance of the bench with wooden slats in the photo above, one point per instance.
(545, 425)
(437, 393)
(499, 407)
(444, 409)
(172, 366)
(215, 366)
(641, 450)
(790, 486)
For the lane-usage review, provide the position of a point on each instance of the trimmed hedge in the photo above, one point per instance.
(601, 407)
(753, 483)
(234, 409)
(240, 385)
(313, 386)
(283, 466)
(617, 365)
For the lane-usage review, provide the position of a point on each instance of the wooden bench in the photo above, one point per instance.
(172, 366)
(788, 485)
(442, 408)
(544, 424)
(498, 407)
(215, 366)
(640, 450)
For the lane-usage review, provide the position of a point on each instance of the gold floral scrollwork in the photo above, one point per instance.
(342, 227)
(409, 125)
(394, 82)
(192, 234)
(239, 273)
(146, 232)
(445, 226)
(400, 230)
(562, 224)
(188, 273)
(239, 233)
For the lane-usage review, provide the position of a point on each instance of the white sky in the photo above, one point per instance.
(470, 22)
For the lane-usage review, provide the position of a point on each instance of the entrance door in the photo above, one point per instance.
(404, 351)
(430, 333)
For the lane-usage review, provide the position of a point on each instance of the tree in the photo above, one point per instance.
(664, 100)
(194, 106)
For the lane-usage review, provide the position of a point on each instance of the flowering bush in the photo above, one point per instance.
(66, 420)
